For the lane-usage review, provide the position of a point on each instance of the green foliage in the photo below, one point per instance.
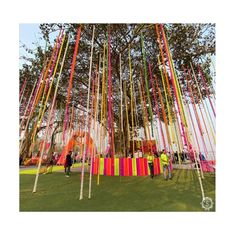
(189, 43)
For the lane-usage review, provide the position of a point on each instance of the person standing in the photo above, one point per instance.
(140, 154)
(150, 159)
(68, 164)
(21, 160)
(136, 154)
(166, 165)
(49, 166)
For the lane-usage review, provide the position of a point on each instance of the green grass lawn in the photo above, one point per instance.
(55, 192)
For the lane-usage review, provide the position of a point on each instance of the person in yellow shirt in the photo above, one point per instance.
(166, 165)
(150, 159)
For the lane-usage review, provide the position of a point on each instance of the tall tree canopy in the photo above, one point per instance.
(189, 44)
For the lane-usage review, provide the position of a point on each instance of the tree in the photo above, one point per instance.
(189, 43)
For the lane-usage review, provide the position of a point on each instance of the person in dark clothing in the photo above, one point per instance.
(68, 164)
(21, 160)
(201, 157)
(156, 154)
(49, 166)
(176, 158)
(182, 156)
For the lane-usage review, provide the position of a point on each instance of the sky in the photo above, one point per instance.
(30, 35)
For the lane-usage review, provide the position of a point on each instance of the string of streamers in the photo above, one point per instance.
(50, 115)
(146, 83)
(70, 81)
(173, 83)
(87, 117)
(207, 91)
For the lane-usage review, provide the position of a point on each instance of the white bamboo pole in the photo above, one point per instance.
(87, 118)
(121, 109)
(199, 176)
(96, 130)
(50, 114)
